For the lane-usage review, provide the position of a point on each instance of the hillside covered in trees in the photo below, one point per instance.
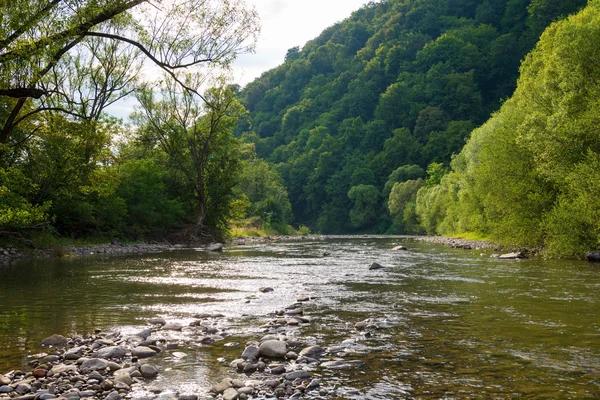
(530, 176)
(360, 118)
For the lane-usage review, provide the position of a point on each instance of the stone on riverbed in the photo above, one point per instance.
(111, 352)
(57, 369)
(172, 326)
(157, 321)
(230, 394)
(512, 256)
(300, 374)
(94, 364)
(143, 352)
(149, 371)
(250, 352)
(222, 386)
(312, 351)
(266, 289)
(399, 248)
(5, 389)
(375, 266)
(55, 340)
(113, 396)
(4, 380)
(342, 364)
(144, 334)
(273, 349)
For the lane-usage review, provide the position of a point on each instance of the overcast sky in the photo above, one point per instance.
(285, 24)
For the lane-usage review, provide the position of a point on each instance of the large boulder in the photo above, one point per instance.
(273, 349)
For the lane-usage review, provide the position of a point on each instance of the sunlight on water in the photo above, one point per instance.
(451, 323)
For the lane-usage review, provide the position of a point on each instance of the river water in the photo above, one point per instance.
(453, 323)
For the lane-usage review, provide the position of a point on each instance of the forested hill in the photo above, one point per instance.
(381, 96)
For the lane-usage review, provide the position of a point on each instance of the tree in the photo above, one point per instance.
(402, 204)
(262, 186)
(200, 145)
(174, 35)
(365, 209)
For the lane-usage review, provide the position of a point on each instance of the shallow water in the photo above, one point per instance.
(453, 323)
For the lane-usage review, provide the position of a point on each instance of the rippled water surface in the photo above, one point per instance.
(453, 323)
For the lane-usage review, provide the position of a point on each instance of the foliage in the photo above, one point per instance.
(365, 200)
(199, 145)
(16, 212)
(402, 206)
(396, 84)
(261, 186)
(528, 177)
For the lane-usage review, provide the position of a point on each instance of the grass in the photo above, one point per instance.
(471, 236)
(253, 227)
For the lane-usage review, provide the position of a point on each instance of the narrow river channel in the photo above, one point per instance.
(451, 323)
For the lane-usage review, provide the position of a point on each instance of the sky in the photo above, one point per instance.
(284, 24)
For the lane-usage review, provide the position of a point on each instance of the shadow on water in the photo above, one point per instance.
(452, 323)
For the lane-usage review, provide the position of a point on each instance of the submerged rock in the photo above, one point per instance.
(343, 364)
(55, 340)
(399, 248)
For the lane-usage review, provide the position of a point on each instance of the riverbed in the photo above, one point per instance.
(449, 323)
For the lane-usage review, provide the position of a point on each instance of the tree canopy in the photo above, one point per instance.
(398, 83)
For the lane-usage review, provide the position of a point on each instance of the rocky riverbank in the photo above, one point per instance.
(112, 366)
(9, 254)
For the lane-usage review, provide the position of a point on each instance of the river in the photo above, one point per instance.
(452, 323)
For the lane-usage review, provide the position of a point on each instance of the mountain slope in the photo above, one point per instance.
(399, 83)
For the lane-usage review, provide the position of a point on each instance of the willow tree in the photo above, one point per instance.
(175, 36)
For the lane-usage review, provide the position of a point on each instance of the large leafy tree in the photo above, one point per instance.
(199, 143)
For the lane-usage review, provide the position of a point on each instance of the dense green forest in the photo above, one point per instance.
(355, 118)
